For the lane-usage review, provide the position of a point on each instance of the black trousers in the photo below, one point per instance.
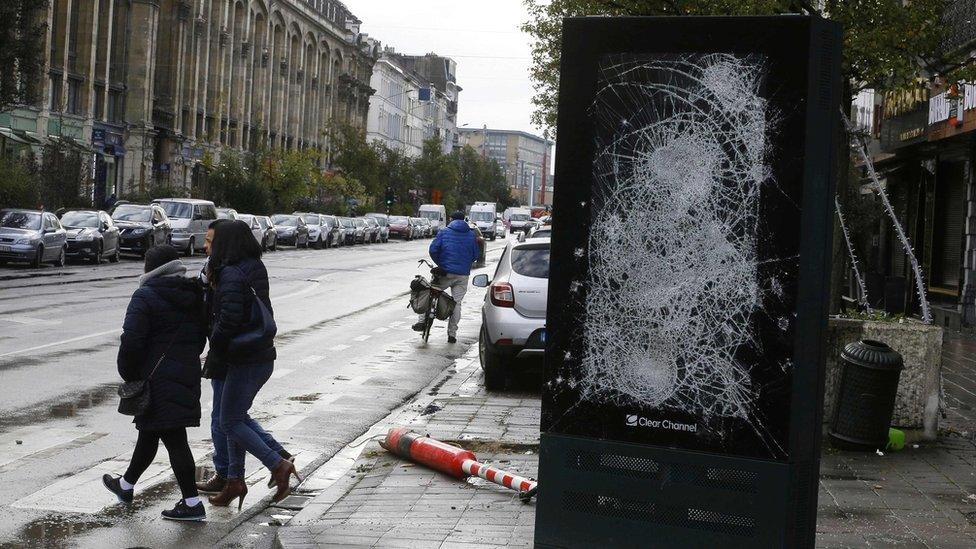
(180, 458)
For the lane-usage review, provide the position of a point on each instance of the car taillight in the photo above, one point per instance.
(502, 295)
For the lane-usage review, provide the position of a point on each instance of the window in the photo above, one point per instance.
(116, 106)
(179, 210)
(74, 97)
(531, 261)
(99, 102)
(55, 92)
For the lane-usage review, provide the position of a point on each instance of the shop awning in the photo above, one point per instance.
(15, 137)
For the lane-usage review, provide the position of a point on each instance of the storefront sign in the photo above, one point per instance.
(948, 114)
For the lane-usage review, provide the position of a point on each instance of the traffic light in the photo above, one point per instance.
(390, 197)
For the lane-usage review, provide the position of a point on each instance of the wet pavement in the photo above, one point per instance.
(347, 358)
(922, 496)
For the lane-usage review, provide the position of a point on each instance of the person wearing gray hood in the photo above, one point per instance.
(163, 336)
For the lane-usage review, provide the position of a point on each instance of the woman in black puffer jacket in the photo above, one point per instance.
(239, 279)
(163, 335)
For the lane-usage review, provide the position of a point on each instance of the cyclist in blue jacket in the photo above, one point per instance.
(454, 249)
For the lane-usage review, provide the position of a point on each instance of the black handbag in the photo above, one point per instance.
(135, 396)
(261, 328)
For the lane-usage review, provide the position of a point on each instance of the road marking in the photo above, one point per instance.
(311, 359)
(361, 338)
(83, 492)
(285, 423)
(29, 321)
(65, 342)
(396, 325)
(33, 440)
(381, 330)
(339, 348)
(280, 373)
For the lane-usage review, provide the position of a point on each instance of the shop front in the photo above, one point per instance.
(109, 154)
(926, 168)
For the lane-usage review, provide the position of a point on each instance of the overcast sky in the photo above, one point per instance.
(493, 56)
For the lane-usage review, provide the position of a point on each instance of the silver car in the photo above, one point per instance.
(32, 236)
(514, 314)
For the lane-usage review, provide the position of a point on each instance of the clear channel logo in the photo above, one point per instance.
(636, 420)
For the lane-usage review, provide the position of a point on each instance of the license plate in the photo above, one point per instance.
(4, 248)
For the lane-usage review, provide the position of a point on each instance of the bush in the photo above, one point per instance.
(17, 187)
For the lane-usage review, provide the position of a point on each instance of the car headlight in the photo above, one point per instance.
(25, 241)
(85, 236)
(139, 232)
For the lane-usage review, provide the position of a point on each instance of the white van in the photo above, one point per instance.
(437, 215)
(189, 218)
(483, 215)
(518, 220)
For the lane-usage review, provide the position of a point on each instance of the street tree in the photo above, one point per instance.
(887, 43)
(435, 170)
(21, 51)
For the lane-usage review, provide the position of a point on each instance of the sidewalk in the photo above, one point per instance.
(923, 496)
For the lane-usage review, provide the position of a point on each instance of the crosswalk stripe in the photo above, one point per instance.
(339, 348)
(361, 338)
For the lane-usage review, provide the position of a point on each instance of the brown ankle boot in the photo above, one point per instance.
(233, 489)
(281, 474)
(285, 455)
(213, 485)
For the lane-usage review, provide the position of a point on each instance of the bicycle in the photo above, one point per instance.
(428, 299)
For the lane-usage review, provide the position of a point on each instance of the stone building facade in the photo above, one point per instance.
(416, 99)
(150, 88)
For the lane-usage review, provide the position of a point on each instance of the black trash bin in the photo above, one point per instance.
(865, 395)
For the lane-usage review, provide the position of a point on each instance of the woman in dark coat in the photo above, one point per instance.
(239, 279)
(163, 335)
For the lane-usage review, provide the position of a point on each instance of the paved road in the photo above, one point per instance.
(347, 358)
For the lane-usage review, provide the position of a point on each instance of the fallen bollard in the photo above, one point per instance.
(450, 460)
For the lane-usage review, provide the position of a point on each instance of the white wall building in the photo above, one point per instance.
(416, 99)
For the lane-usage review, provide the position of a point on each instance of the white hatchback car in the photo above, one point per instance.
(514, 314)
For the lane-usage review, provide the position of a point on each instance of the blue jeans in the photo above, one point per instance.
(221, 458)
(237, 395)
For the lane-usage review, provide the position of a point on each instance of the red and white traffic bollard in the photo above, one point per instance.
(448, 459)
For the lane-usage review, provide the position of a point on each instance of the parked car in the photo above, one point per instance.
(428, 225)
(500, 229)
(519, 221)
(374, 229)
(419, 229)
(335, 234)
(384, 222)
(360, 226)
(32, 236)
(256, 229)
(483, 214)
(270, 240)
(189, 219)
(436, 213)
(226, 213)
(514, 313)
(316, 229)
(348, 230)
(292, 230)
(142, 227)
(92, 235)
(400, 227)
(545, 231)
